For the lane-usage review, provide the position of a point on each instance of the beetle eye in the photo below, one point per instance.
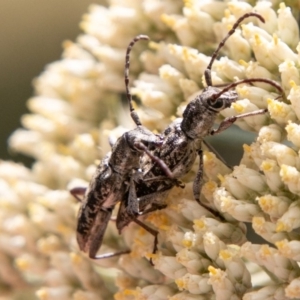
(217, 104)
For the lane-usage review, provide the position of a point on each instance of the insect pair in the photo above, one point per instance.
(143, 167)
(114, 177)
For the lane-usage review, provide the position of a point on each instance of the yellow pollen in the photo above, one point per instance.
(212, 270)
(225, 255)
(159, 219)
(238, 107)
(185, 53)
(187, 243)
(168, 20)
(173, 118)
(200, 224)
(42, 294)
(97, 162)
(257, 39)
(247, 148)
(22, 264)
(63, 229)
(208, 155)
(284, 247)
(281, 244)
(290, 64)
(181, 284)
(229, 27)
(281, 226)
(227, 13)
(282, 5)
(275, 39)
(128, 292)
(276, 107)
(242, 91)
(221, 178)
(123, 295)
(264, 203)
(188, 3)
(134, 253)
(211, 185)
(225, 201)
(142, 231)
(139, 243)
(152, 256)
(62, 149)
(288, 174)
(243, 63)
(258, 221)
(76, 259)
(293, 84)
(153, 45)
(266, 250)
(95, 134)
(267, 166)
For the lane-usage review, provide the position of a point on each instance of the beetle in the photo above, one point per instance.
(182, 143)
(110, 180)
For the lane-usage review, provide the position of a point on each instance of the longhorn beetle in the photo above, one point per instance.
(108, 184)
(182, 143)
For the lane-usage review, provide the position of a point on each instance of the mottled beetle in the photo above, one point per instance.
(110, 181)
(182, 144)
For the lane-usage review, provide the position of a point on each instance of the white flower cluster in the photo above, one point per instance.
(75, 113)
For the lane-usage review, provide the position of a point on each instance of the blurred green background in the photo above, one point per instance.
(31, 36)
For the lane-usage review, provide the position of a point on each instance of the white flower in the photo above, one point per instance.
(77, 112)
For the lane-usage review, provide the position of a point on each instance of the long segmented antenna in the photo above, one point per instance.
(250, 80)
(133, 113)
(207, 73)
